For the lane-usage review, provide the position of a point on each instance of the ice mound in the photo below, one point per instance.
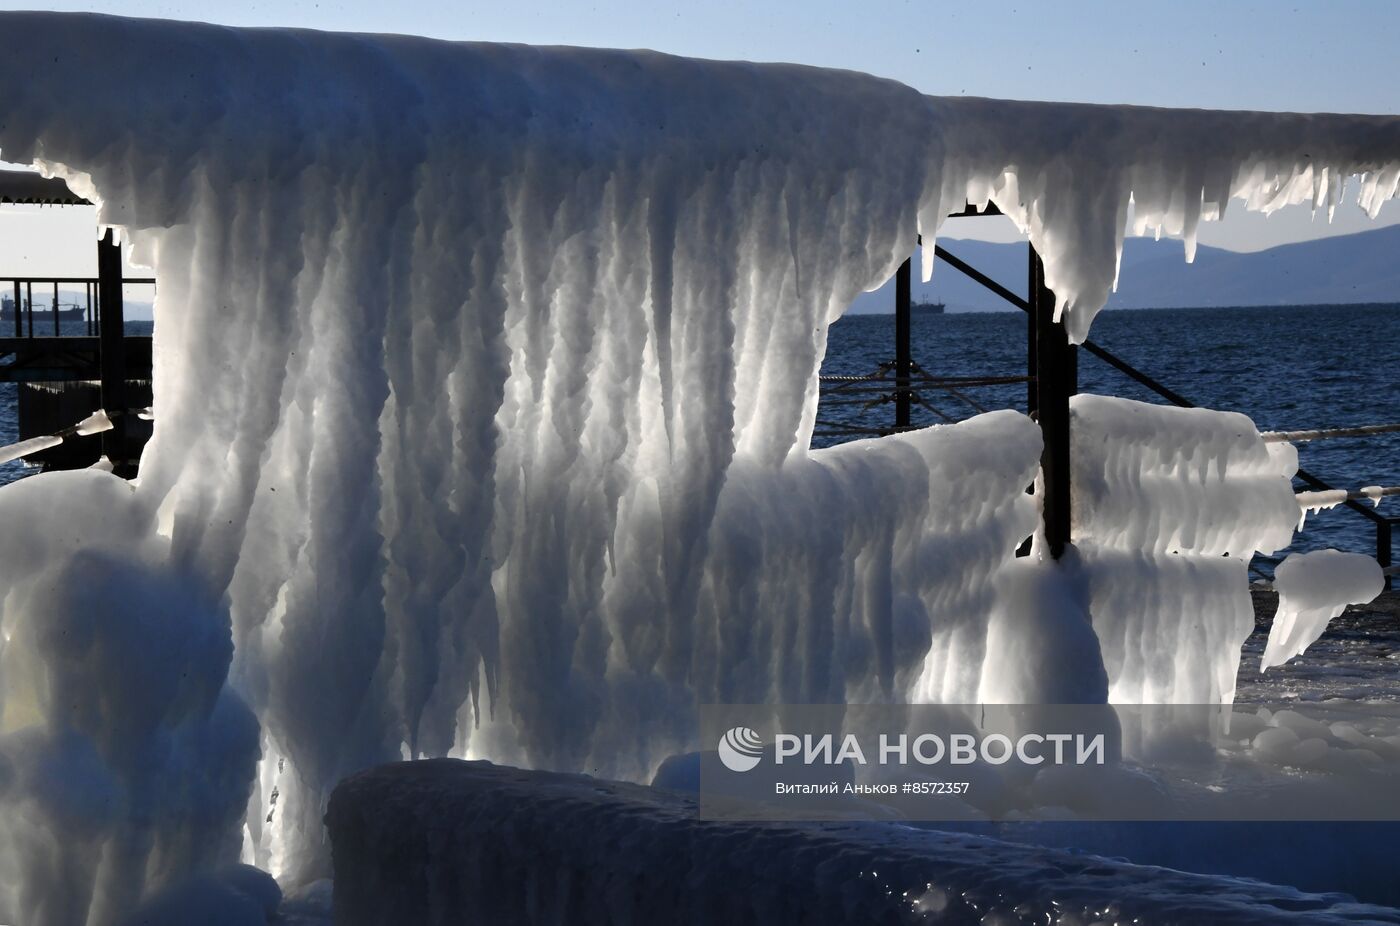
(484, 383)
(126, 761)
(576, 850)
(1312, 589)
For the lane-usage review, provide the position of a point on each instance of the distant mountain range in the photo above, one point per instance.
(1364, 267)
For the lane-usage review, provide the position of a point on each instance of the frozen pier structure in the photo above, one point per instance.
(484, 383)
(72, 358)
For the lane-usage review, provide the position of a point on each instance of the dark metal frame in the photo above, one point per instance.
(112, 354)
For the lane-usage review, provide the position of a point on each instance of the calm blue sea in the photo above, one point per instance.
(1288, 368)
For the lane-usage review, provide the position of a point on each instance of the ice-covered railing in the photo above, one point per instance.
(485, 379)
(1068, 174)
(95, 423)
(1170, 504)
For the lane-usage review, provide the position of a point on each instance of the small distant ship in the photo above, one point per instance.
(72, 313)
(928, 308)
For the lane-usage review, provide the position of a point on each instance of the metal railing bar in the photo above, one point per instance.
(138, 281)
(1299, 437)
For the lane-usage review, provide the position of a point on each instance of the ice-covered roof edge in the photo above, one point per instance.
(1066, 174)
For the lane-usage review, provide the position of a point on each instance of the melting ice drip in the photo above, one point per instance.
(484, 383)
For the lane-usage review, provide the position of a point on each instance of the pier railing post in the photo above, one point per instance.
(1032, 384)
(112, 352)
(903, 354)
(1056, 371)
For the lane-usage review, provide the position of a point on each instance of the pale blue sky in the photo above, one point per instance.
(1330, 56)
(1301, 56)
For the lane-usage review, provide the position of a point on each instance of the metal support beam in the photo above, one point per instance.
(903, 355)
(978, 276)
(1056, 379)
(112, 352)
(1296, 437)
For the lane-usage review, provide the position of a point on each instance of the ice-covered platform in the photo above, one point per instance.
(447, 841)
(484, 390)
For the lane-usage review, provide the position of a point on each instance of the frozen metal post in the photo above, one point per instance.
(903, 355)
(112, 351)
(1056, 371)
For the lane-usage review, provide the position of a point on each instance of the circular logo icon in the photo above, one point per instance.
(740, 749)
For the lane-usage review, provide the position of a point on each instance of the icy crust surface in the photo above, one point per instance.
(485, 377)
(1169, 505)
(579, 850)
(1313, 588)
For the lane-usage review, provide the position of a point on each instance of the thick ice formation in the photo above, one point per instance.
(1169, 505)
(95, 423)
(485, 376)
(1312, 589)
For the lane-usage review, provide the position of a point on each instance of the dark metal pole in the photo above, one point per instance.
(903, 358)
(19, 315)
(1056, 379)
(112, 352)
(1032, 268)
(56, 332)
